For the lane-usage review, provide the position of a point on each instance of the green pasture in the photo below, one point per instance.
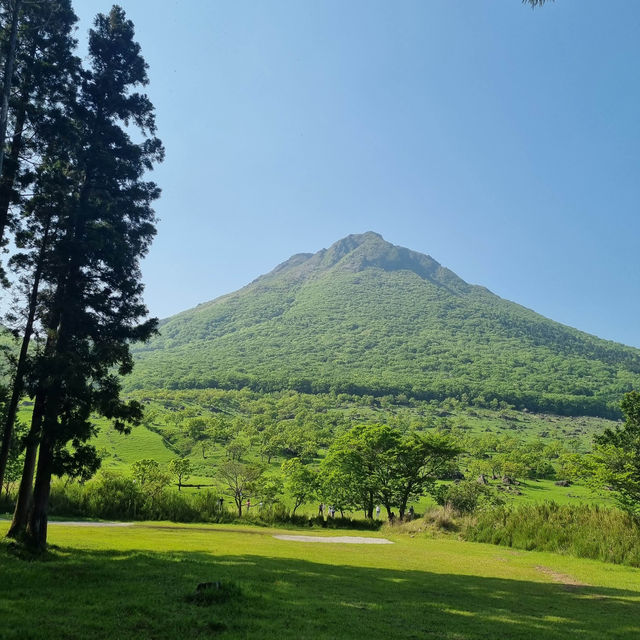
(135, 582)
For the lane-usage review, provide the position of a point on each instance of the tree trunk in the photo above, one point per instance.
(369, 506)
(36, 533)
(25, 491)
(21, 368)
(402, 507)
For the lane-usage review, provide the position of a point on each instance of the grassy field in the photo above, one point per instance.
(135, 582)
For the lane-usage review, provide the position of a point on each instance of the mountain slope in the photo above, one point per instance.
(367, 317)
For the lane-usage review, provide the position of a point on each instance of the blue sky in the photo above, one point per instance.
(503, 141)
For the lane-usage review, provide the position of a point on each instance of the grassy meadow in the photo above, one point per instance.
(136, 582)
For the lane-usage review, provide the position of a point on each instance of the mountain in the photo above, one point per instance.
(370, 318)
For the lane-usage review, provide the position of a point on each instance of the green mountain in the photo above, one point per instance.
(370, 318)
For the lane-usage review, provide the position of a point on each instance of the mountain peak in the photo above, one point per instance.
(366, 316)
(362, 251)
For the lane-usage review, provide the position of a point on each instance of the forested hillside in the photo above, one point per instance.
(367, 317)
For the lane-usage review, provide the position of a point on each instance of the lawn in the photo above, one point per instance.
(134, 582)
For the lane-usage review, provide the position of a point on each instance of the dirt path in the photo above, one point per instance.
(334, 539)
(561, 578)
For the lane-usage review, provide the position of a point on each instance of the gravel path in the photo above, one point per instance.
(335, 539)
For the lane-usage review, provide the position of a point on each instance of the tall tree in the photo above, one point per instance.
(93, 302)
(418, 461)
(46, 75)
(240, 480)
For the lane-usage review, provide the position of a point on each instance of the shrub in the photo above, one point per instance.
(112, 495)
(467, 496)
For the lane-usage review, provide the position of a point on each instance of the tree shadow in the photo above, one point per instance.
(132, 594)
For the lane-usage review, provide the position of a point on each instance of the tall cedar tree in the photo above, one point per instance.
(40, 242)
(43, 75)
(94, 295)
(46, 77)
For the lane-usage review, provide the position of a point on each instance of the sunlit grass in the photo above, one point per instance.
(132, 583)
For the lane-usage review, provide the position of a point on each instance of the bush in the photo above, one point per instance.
(67, 499)
(7, 502)
(466, 497)
(112, 495)
(207, 505)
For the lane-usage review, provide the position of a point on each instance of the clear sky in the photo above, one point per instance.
(503, 141)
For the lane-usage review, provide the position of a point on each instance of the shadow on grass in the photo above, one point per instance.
(86, 594)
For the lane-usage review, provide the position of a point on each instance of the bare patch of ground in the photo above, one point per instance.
(561, 578)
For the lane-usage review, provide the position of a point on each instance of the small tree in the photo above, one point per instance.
(181, 469)
(467, 496)
(145, 471)
(418, 461)
(269, 489)
(238, 446)
(239, 480)
(299, 482)
(335, 488)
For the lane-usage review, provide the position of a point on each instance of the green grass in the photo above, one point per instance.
(136, 583)
(537, 492)
(120, 451)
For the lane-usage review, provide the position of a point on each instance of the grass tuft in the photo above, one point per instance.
(218, 592)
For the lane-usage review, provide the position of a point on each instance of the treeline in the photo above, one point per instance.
(76, 212)
(483, 397)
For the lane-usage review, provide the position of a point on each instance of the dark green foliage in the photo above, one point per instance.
(584, 531)
(365, 317)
